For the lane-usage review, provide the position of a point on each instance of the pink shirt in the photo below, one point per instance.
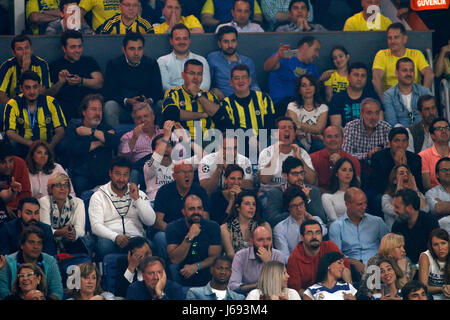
(430, 157)
(142, 147)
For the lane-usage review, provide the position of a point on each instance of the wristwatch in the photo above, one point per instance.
(189, 239)
(199, 94)
(92, 131)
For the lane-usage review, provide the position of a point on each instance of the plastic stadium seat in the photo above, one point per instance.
(110, 271)
(121, 129)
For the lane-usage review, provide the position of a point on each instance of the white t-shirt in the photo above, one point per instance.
(156, 174)
(319, 292)
(334, 205)
(275, 168)
(436, 274)
(307, 117)
(255, 294)
(407, 101)
(208, 166)
(220, 294)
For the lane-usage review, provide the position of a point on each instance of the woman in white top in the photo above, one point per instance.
(328, 287)
(65, 214)
(41, 165)
(399, 178)
(90, 288)
(342, 178)
(273, 284)
(434, 265)
(308, 113)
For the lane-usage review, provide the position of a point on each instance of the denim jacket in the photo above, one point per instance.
(396, 112)
(206, 293)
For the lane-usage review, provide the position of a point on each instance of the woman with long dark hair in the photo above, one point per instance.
(328, 285)
(336, 80)
(434, 265)
(245, 217)
(308, 113)
(343, 177)
(41, 165)
(399, 178)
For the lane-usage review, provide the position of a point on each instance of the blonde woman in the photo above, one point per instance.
(392, 246)
(90, 288)
(65, 214)
(272, 284)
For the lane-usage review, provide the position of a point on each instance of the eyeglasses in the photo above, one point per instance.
(441, 128)
(62, 185)
(26, 275)
(297, 205)
(444, 170)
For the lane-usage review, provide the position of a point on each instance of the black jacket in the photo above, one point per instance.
(382, 163)
(124, 81)
(10, 237)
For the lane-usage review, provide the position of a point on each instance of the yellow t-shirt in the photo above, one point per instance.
(338, 82)
(208, 7)
(40, 6)
(358, 23)
(101, 10)
(190, 22)
(446, 73)
(384, 60)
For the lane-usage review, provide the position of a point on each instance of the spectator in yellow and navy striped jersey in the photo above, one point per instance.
(33, 116)
(128, 20)
(248, 109)
(23, 60)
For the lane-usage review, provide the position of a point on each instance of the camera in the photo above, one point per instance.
(290, 53)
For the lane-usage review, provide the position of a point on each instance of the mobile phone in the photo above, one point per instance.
(5, 181)
(290, 53)
(70, 227)
(71, 76)
(385, 290)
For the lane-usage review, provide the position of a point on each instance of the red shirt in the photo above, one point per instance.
(20, 174)
(302, 269)
(322, 165)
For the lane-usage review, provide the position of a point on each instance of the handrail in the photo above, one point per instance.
(445, 97)
(430, 62)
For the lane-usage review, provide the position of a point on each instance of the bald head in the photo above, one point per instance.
(333, 138)
(356, 203)
(183, 174)
(261, 237)
(34, 295)
(351, 193)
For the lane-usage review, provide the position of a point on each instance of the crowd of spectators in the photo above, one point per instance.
(347, 199)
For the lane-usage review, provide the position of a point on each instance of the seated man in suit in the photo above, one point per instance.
(128, 270)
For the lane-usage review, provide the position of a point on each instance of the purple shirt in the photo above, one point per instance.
(246, 269)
